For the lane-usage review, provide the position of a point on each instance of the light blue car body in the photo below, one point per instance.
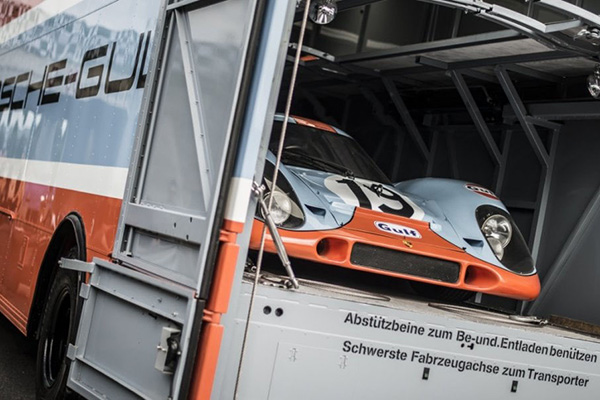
(447, 205)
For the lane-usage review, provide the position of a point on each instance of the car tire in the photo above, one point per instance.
(57, 331)
(441, 293)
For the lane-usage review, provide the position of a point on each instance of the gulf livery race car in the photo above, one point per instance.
(333, 205)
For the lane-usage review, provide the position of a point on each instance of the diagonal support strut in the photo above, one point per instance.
(406, 117)
(521, 113)
(475, 114)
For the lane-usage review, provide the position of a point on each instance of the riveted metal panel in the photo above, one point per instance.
(176, 173)
(141, 318)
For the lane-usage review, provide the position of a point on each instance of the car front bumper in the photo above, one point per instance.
(361, 246)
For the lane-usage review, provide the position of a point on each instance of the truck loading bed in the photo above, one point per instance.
(325, 341)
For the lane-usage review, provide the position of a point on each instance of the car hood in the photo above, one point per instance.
(340, 196)
(448, 206)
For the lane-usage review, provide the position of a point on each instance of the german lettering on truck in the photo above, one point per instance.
(71, 79)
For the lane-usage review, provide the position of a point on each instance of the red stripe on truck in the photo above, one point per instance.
(29, 214)
(11, 9)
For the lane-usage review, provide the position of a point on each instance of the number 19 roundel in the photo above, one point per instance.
(375, 196)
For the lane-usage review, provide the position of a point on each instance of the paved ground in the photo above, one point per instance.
(17, 364)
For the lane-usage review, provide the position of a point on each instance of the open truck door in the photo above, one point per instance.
(142, 317)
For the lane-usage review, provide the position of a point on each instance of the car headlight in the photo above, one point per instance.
(281, 209)
(505, 239)
(286, 210)
(497, 230)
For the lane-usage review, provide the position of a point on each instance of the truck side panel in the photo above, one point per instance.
(70, 94)
(318, 344)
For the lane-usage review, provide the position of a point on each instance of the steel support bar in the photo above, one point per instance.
(406, 117)
(543, 123)
(420, 48)
(541, 75)
(318, 108)
(581, 110)
(453, 156)
(501, 170)
(416, 70)
(515, 19)
(563, 26)
(383, 117)
(396, 166)
(522, 23)
(456, 66)
(501, 60)
(564, 7)
(435, 138)
(539, 217)
(475, 114)
(482, 76)
(521, 113)
(466, 8)
(432, 62)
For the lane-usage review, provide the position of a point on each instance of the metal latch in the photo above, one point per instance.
(169, 350)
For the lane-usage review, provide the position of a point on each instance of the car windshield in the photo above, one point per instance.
(326, 151)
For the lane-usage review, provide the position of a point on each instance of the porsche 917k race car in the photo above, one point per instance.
(333, 205)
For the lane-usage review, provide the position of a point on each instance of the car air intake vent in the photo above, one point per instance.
(404, 263)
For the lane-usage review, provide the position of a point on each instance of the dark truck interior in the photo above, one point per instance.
(494, 93)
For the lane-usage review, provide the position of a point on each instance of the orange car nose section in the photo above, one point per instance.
(333, 249)
(412, 233)
(401, 247)
(493, 280)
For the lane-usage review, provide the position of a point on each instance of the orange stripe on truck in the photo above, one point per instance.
(30, 213)
(217, 304)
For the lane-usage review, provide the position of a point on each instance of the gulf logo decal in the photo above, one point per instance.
(399, 230)
(481, 190)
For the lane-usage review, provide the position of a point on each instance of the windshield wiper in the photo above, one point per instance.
(312, 161)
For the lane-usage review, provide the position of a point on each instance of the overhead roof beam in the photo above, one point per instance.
(482, 76)
(533, 73)
(520, 24)
(571, 9)
(579, 110)
(519, 21)
(563, 26)
(501, 60)
(456, 66)
(528, 26)
(420, 48)
(417, 69)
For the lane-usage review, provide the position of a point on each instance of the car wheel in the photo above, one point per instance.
(56, 332)
(441, 293)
